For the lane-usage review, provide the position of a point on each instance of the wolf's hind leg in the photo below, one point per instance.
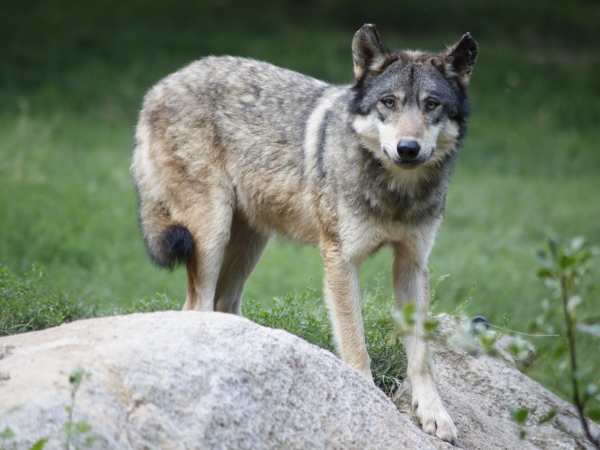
(243, 251)
(208, 218)
(411, 283)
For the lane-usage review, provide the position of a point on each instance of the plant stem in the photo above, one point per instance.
(570, 338)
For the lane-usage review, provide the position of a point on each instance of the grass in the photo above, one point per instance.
(74, 77)
(27, 305)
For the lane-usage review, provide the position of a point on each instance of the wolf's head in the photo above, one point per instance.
(410, 108)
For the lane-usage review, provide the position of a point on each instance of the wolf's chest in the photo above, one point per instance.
(389, 201)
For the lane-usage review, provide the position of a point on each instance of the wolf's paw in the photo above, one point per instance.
(434, 418)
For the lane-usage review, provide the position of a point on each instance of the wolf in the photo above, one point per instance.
(229, 151)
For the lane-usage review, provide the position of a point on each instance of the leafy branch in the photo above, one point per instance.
(565, 268)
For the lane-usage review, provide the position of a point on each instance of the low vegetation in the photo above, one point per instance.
(570, 311)
(27, 304)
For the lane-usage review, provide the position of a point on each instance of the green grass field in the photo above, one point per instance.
(73, 82)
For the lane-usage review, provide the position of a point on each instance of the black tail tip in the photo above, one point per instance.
(176, 244)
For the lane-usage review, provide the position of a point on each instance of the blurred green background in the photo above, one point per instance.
(73, 75)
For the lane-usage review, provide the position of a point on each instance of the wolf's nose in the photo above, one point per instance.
(408, 150)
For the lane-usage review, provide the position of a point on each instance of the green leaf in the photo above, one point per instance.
(519, 415)
(543, 259)
(551, 283)
(515, 346)
(90, 441)
(78, 375)
(431, 324)
(409, 310)
(489, 338)
(39, 445)
(405, 318)
(553, 246)
(577, 243)
(82, 427)
(545, 273)
(566, 261)
(7, 434)
(573, 303)
(594, 414)
(547, 417)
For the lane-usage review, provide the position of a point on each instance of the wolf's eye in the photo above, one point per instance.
(389, 102)
(432, 104)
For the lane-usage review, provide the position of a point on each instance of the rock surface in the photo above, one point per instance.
(480, 391)
(175, 380)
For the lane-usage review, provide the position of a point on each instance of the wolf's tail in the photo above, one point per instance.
(168, 243)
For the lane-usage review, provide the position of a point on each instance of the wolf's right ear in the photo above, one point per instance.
(370, 56)
(457, 62)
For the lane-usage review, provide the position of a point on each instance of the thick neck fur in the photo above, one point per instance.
(385, 195)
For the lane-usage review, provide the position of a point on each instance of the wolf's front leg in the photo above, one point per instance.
(411, 283)
(342, 293)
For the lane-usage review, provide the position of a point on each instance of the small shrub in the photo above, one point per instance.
(27, 305)
(571, 311)
(159, 303)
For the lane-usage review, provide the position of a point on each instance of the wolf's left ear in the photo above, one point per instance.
(457, 62)
(370, 56)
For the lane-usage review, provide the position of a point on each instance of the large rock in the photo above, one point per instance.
(195, 381)
(479, 393)
(209, 380)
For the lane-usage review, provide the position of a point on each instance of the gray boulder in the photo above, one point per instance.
(187, 380)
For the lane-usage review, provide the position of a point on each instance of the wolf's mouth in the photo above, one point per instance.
(409, 165)
(420, 160)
